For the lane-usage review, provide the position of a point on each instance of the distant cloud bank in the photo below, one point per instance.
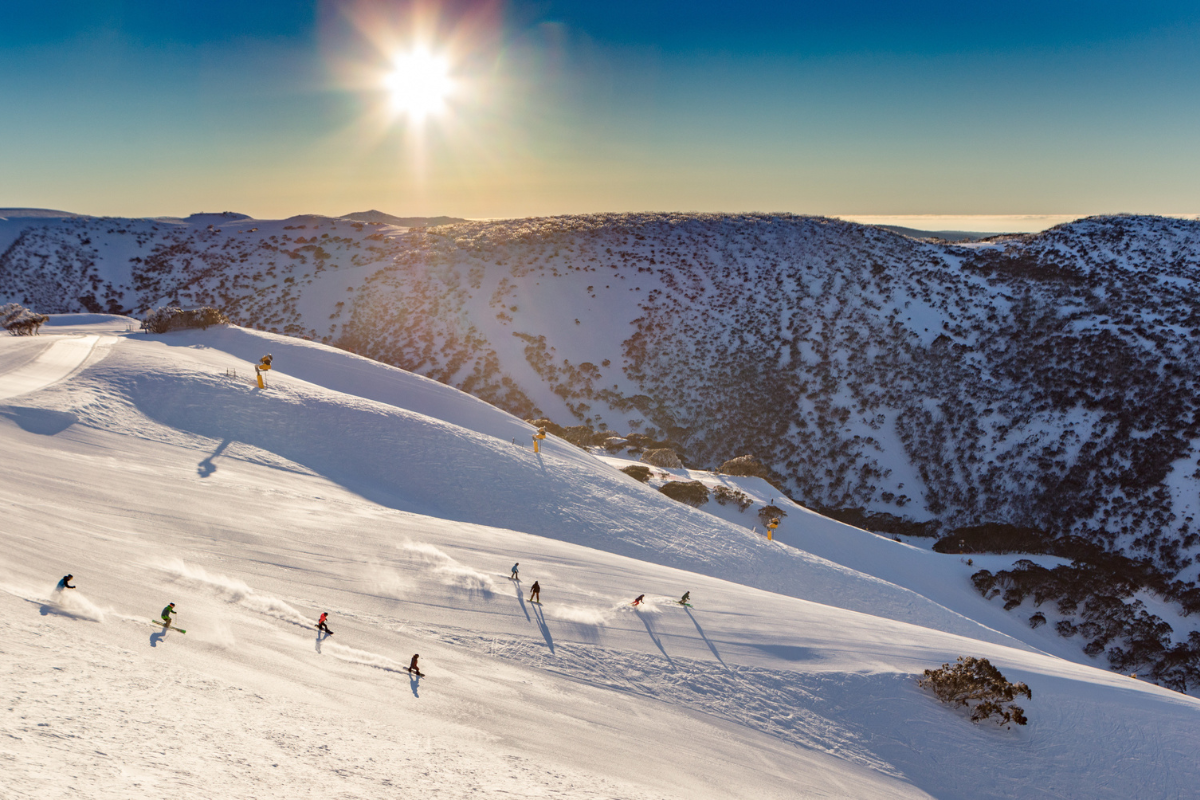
(984, 223)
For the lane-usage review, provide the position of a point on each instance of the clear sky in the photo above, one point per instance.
(279, 107)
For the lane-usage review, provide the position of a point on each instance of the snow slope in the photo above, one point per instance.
(398, 505)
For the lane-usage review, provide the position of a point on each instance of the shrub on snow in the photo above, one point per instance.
(20, 321)
(767, 513)
(694, 493)
(976, 684)
(637, 472)
(746, 466)
(663, 457)
(172, 318)
(724, 495)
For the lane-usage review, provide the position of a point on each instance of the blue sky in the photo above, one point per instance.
(274, 108)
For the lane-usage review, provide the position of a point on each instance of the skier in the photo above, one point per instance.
(514, 571)
(321, 626)
(413, 668)
(639, 599)
(683, 601)
(535, 593)
(65, 583)
(166, 614)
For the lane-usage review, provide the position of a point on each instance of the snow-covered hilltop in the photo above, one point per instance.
(1044, 381)
(153, 469)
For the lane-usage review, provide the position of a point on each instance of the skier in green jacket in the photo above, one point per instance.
(166, 614)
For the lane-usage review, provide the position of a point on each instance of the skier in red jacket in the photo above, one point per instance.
(321, 626)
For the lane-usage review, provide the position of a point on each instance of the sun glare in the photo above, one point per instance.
(419, 83)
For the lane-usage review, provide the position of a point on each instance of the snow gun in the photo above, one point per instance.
(262, 366)
(537, 438)
(771, 526)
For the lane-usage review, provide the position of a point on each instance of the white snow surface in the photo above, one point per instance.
(398, 505)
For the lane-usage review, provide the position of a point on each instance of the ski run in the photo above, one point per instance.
(396, 505)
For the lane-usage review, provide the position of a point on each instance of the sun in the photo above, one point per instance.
(419, 83)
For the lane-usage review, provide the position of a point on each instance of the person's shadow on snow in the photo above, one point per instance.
(414, 683)
(541, 623)
(521, 597)
(654, 637)
(320, 639)
(207, 467)
(700, 631)
(52, 607)
(157, 637)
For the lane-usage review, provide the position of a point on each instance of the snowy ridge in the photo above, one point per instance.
(153, 477)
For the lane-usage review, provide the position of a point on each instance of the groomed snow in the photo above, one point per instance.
(398, 505)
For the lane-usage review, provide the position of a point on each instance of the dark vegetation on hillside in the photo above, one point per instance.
(1096, 600)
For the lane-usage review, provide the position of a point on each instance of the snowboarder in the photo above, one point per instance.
(638, 600)
(683, 601)
(166, 614)
(65, 583)
(413, 668)
(535, 593)
(321, 626)
(514, 571)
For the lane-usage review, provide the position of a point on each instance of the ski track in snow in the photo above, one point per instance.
(61, 358)
(172, 733)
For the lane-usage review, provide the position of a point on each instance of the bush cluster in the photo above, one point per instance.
(767, 513)
(637, 472)
(171, 318)
(663, 457)
(995, 538)
(976, 684)
(1096, 601)
(724, 495)
(19, 320)
(585, 436)
(694, 493)
(746, 466)
(882, 522)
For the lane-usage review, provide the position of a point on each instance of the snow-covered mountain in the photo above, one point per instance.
(1044, 380)
(154, 470)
